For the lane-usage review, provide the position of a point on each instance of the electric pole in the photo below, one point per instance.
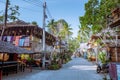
(3, 28)
(5, 19)
(43, 38)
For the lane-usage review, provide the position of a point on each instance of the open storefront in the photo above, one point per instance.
(8, 57)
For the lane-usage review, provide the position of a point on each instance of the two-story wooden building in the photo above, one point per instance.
(113, 21)
(27, 36)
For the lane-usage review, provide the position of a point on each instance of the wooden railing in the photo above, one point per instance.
(114, 18)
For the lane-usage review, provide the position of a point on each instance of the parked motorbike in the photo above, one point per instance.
(102, 68)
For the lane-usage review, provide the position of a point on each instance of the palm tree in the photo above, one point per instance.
(84, 33)
(60, 28)
(65, 32)
(52, 27)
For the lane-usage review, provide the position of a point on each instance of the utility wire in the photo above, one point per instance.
(36, 3)
(32, 10)
(49, 13)
(39, 4)
(33, 3)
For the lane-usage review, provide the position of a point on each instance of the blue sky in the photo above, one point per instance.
(69, 10)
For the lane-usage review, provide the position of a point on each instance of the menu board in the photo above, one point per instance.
(118, 71)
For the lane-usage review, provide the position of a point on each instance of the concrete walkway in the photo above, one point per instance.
(76, 69)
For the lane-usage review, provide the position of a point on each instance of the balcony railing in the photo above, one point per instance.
(113, 19)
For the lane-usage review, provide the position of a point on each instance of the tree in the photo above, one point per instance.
(73, 44)
(95, 16)
(65, 31)
(52, 27)
(13, 10)
(84, 34)
(12, 13)
(60, 28)
(34, 23)
(1, 19)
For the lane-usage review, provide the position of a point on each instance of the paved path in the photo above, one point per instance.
(76, 69)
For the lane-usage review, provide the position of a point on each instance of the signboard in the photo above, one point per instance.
(112, 71)
(118, 71)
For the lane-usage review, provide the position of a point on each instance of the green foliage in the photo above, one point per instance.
(13, 10)
(64, 32)
(73, 44)
(52, 27)
(67, 58)
(95, 16)
(54, 63)
(12, 13)
(83, 33)
(1, 19)
(102, 57)
(34, 23)
(54, 67)
(29, 59)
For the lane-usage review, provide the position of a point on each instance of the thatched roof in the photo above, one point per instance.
(10, 48)
(18, 23)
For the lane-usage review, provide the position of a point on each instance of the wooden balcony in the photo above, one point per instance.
(114, 18)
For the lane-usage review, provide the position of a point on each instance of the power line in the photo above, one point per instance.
(37, 3)
(33, 10)
(34, 3)
(40, 4)
(49, 13)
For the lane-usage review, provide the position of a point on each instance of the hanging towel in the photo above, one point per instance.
(8, 38)
(4, 38)
(27, 41)
(12, 39)
(17, 40)
(21, 42)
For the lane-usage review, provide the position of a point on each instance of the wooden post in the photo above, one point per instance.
(5, 19)
(116, 53)
(0, 74)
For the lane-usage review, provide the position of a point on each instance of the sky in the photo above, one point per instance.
(32, 10)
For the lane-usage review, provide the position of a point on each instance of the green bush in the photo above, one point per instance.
(54, 67)
(102, 57)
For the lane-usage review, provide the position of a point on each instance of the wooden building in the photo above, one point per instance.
(26, 35)
(113, 21)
